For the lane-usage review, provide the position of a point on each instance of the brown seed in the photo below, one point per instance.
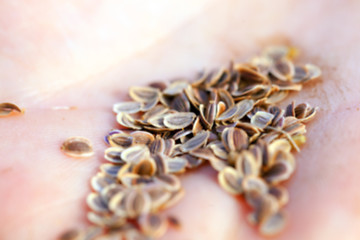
(175, 165)
(273, 224)
(204, 153)
(100, 181)
(179, 120)
(197, 127)
(195, 142)
(157, 110)
(180, 103)
(230, 180)
(120, 140)
(158, 194)
(218, 149)
(96, 203)
(246, 164)
(105, 220)
(117, 203)
(137, 203)
(142, 137)
(127, 121)
(153, 225)
(135, 153)
(226, 98)
(110, 190)
(228, 114)
(143, 94)
(127, 107)
(192, 162)
(280, 171)
(264, 205)
(283, 69)
(281, 194)
(113, 154)
(218, 164)
(145, 167)
(244, 107)
(174, 222)
(169, 181)
(77, 147)
(150, 104)
(157, 146)
(176, 88)
(234, 139)
(314, 72)
(7, 109)
(72, 234)
(250, 75)
(256, 184)
(261, 119)
(169, 145)
(159, 159)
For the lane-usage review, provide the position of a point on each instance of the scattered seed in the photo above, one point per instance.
(7, 109)
(77, 147)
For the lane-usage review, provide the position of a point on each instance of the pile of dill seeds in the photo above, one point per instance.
(227, 118)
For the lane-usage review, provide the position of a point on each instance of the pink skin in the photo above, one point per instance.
(76, 53)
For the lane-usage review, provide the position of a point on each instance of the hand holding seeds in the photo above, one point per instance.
(69, 64)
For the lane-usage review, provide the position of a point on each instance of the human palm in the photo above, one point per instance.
(87, 54)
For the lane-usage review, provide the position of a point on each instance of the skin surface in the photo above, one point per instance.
(87, 53)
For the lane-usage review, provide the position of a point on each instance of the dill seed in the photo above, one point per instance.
(226, 118)
(78, 147)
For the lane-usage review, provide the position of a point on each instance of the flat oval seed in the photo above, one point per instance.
(273, 224)
(143, 94)
(176, 165)
(72, 234)
(100, 181)
(110, 169)
(126, 120)
(176, 88)
(142, 137)
(146, 167)
(135, 153)
(137, 203)
(278, 172)
(261, 119)
(78, 147)
(120, 140)
(169, 181)
(113, 154)
(244, 107)
(110, 221)
(280, 193)
(110, 190)
(96, 203)
(228, 114)
(8, 108)
(195, 142)
(179, 120)
(127, 107)
(230, 180)
(153, 225)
